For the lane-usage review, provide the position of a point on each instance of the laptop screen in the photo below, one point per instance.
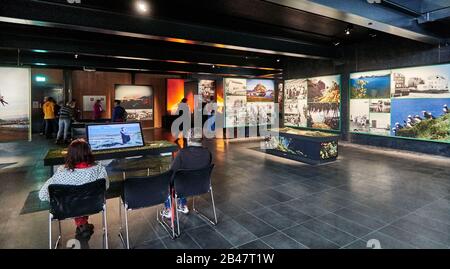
(114, 135)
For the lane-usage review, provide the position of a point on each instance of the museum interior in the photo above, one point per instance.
(308, 124)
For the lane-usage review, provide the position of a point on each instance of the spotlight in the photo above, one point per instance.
(141, 6)
(213, 66)
(278, 60)
(76, 56)
(348, 30)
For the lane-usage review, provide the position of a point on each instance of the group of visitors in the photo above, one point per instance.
(57, 119)
(119, 113)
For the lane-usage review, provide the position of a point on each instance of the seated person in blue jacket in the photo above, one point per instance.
(80, 168)
(194, 156)
(119, 114)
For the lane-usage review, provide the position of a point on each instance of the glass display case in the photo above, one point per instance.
(312, 147)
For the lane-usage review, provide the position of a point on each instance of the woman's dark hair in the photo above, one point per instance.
(79, 151)
(184, 100)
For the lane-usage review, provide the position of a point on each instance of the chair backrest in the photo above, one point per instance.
(69, 201)
(141, 192)
(192, 182)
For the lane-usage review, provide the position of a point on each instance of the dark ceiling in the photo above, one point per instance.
(221, 37)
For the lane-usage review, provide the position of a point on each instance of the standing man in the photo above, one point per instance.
(98, 109)
(65, 117)
(118, 113)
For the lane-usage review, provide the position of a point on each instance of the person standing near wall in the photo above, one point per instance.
(98, 109)
(49, 116)
(118, 113)
(65, 117)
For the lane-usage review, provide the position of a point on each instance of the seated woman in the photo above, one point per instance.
(79, 169)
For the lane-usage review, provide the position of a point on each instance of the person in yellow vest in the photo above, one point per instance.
(49, 116)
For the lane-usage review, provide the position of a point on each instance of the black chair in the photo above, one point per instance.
(142, 192)
(193, 183)
(70, 201)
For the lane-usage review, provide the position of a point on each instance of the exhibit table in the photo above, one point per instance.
(57, 156)
(311, 147)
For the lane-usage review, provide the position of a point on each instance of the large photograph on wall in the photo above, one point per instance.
(15, 90)
(137, 101)
(417, 106)
(207, 90)
(313, 102)
(246, 100)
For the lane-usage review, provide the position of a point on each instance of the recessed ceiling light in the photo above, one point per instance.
(278, 60)
(142, 6)
(76, 56)
(348, 30)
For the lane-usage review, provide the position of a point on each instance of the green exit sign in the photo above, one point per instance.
(40, 79)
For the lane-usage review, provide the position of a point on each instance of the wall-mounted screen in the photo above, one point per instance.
(137, 101)
(313, 102)
(247, 99)
(407, 102)
(15, 104)
(114, 136)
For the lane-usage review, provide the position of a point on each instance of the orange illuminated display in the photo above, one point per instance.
(175, 92)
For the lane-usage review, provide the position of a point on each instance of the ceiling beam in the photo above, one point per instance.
(364, 14)
(44, 14)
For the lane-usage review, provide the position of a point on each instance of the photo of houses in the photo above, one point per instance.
(421, 82)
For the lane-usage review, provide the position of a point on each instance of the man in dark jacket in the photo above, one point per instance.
(194, 156)
(118, 114)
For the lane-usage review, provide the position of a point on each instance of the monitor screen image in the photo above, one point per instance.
(114, 136)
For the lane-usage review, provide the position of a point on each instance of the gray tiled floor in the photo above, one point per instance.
(263, 201)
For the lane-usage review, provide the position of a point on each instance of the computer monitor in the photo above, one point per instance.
(114, 135)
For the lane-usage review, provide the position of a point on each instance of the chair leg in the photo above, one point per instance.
(126, 227)
(166, 226)
(121, 223)
(50, 231)
(214, 206)
(205, 218)
(178, 219)
(105, 227)
(59, 235)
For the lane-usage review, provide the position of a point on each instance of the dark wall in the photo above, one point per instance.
(374, 54)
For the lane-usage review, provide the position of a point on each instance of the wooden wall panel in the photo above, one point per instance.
(97, 83)
(54, 76)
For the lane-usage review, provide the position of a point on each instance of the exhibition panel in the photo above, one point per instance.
(403, 103)
(313, 103)
(248, 100)
(15, 107)
(137, 101)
